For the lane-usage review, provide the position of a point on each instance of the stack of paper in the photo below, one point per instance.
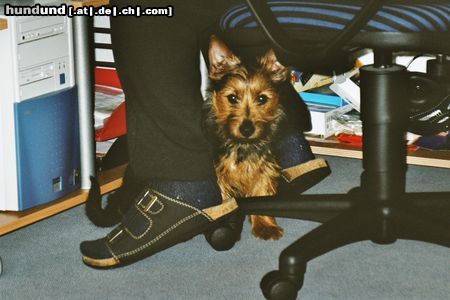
(107, 99)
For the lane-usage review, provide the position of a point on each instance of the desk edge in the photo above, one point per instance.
(3, 24)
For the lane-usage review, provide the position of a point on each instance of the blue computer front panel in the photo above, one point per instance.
(48, 147)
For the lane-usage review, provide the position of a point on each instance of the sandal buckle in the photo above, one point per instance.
(143, 197)
(151, 202)
(148, 201)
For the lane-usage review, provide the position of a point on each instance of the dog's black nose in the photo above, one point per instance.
(247, 128)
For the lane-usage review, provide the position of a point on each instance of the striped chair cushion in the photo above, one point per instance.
(395, 16)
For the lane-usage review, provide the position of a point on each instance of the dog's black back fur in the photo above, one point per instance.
(118, 203)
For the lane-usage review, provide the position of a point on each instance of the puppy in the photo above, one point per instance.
(242, 115)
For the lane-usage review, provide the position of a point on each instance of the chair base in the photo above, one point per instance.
(417, 216)
(380, 210)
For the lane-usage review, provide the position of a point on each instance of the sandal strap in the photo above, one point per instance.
(156, 222)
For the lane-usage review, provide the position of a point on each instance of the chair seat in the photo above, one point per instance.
(400, 24)
(395, 16)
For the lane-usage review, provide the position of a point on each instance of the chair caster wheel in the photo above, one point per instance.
(277, 286)
(225, 235)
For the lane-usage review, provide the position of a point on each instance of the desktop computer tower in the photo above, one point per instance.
(39, 130)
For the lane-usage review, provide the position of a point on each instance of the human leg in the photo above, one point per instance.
(158, 65)
(300, 169)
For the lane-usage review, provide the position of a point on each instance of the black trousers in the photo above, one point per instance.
(158, 63)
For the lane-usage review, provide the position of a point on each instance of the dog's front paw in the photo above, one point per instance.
(268, 232)
(266, 228)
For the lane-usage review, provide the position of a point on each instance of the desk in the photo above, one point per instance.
(420, 157)
(110, 180)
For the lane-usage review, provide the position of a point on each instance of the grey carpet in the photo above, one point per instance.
(42, 261)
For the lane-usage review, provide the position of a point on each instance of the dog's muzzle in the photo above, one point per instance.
(247, 128)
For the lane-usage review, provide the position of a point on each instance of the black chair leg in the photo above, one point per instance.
(412, 224)
(436, 205)
(317, 208)
(352, 226)
(381, 224)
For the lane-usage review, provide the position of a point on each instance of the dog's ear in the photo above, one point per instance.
(221, 59)
(273, 67)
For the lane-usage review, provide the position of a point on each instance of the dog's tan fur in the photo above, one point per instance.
(245, 166)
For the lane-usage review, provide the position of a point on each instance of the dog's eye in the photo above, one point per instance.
(262, 99)
(232, 99)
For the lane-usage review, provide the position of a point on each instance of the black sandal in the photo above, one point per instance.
(155, 222)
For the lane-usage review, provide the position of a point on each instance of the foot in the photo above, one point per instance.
(155, 222)
(300, 168)
(302, 177)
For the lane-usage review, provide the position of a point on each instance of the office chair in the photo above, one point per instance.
(320, 36)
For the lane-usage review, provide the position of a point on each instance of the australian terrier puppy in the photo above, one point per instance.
(242, 116)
